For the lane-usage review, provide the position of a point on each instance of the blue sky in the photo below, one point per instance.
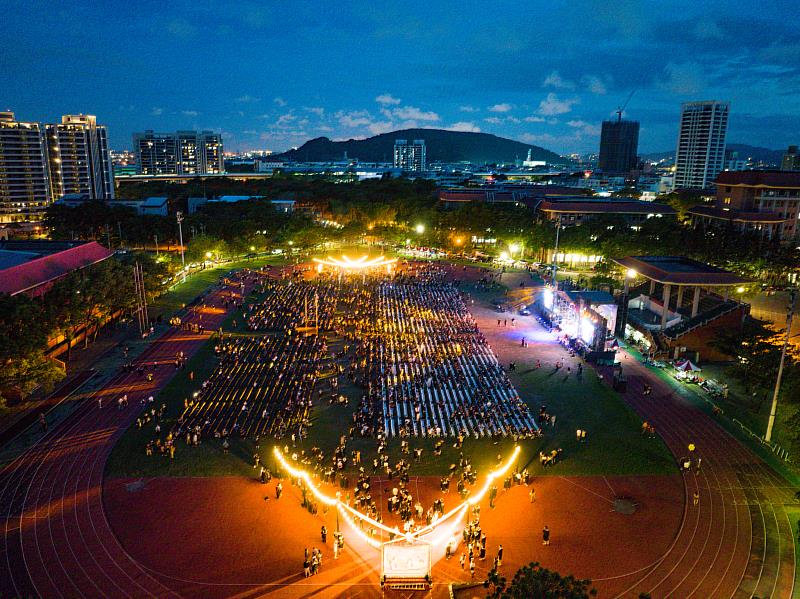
(272, 74)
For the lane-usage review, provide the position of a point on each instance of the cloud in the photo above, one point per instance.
(555, 80)
(595, 85)
(354, 118)
(504, 107)
(534, 119)
(468, 109)
(279, 101)
(190, 113)
(387, 100)
(414, 113)
(247, 99)
(318, 110)
(324, 129)
(380, 127)
(494, 120)
(467, 126)
(285, 120)
(683, 79)
(553, 105)
(584, 127)
(156, 111)
(250, 132)
(181, 28)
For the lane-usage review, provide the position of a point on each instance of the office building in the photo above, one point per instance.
(791, 160)
(619, 143)
(179, 153)
(409, 157)
(79, 158)
(764, 203)
(700, 155)
(24, 176)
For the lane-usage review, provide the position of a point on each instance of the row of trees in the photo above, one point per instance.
(80, 301)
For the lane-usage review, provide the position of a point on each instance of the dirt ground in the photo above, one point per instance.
(218, 537)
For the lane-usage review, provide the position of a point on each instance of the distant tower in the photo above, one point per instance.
(410, 157)
(700, 155)
(791, 160)
(619, 144)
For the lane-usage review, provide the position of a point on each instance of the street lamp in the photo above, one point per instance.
(420, 229)
(513, 248)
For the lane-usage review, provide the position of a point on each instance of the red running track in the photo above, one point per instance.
(738, 541)
(57, 541)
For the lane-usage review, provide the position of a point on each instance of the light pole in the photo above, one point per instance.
(179, 216)
(555, 253)
(774, 409)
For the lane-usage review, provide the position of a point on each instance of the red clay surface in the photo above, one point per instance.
(218, 537)
(58, 541)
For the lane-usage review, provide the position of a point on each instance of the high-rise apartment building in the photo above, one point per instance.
(410, 157)
(79, 158)
(179, 153)
(619, 143)
(700, 155)
(24, 176)
(41, 163)
(791, 160)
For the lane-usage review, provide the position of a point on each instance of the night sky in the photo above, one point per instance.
(273, 74)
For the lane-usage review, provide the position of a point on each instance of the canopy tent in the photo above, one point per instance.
(687, 366)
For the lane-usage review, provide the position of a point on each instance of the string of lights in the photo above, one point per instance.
(343, 508)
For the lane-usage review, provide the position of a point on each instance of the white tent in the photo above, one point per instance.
(687, 366)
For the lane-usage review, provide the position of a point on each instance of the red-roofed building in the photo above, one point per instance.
(575, 211)
(32, 267)
(763, 202)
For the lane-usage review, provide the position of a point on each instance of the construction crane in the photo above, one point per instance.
(620, 109)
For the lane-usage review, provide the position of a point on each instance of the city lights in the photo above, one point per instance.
(361, 263)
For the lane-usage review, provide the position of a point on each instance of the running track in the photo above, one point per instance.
(738, 541)
(57, 542)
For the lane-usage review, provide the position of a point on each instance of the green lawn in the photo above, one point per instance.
(614, 445)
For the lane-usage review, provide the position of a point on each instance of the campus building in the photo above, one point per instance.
(700, 154)
(410, 157)
(178, 153)
(674, 306)
(766, 203)
(572, 211)
(619, 144)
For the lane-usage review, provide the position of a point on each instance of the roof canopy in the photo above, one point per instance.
(679, 270)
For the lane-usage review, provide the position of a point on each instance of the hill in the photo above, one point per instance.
(441, 146)
(757, 154)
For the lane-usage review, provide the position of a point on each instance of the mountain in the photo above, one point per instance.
(441, 146)
(745, 152)
(757, 154)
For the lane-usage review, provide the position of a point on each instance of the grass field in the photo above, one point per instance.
(614, 446)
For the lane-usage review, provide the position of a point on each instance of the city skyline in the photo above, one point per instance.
(283, 75)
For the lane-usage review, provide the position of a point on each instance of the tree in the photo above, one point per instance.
(535, 581)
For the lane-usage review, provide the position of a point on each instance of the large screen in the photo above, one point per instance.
(406, 561)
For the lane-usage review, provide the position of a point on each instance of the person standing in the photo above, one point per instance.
(532, 495)
(324, 534)
(472, 568)
(545, 536)
(696, 498)
(462, 559)
(500, 555)
(278, 490)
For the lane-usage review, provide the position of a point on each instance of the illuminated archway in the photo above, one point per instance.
(348, 512)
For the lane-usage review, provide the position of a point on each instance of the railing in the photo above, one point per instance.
(776, 449)
(686, 326)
